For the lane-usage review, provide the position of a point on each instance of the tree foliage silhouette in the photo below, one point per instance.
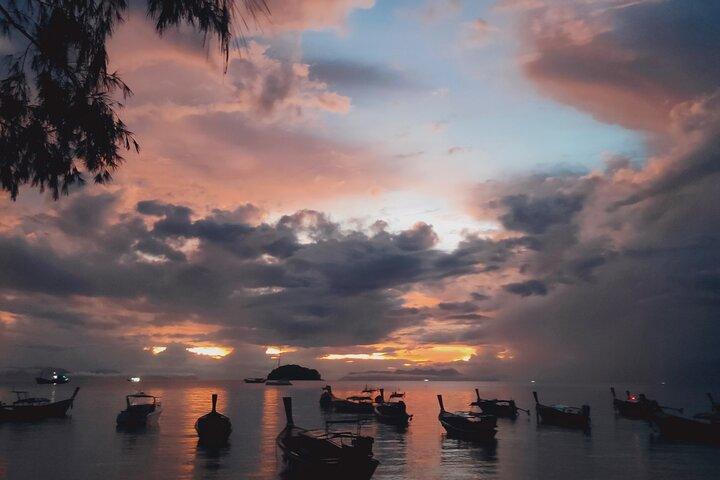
(59, 102)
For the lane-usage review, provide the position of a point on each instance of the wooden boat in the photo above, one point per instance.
(51, 377)
(359, 404)
(391, 413)
(635, 406)
(714, 410)
(499, 408)
(255, 380)
(142, 410)
(327, 397)
(680, 428)
(213, 428)
(562, 415)
(278, 383)
(27, 408)
(467, 425)
(323, 453)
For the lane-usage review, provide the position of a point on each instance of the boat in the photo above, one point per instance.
(213, 428)
(562, 415)
(134, 379)
(714, 409)
(27, 408)
(499, 408)
(142, 410)
(327, 397)
(701, 429)
(636, 406)
(467, 425)
(51, 377)
(278, 382)
(391, 413)
(397, 394)
(324, 453)
(255, 380)
(368, 389)
(360, 404)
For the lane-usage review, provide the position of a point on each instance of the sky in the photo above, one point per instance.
(514, 190)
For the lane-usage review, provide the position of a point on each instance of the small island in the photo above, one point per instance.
(294, 372)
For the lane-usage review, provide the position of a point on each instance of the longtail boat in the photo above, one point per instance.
(213, 428)
(324, 453)
(637, 405)
(27, 408)
(391, 412)
(562, 415)
(467, 425)
(499, 408)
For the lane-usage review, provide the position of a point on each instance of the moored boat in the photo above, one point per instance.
(684, 429)
(213, 428)
(562, 415)
(499, 408)
(635, 406)
(391, 412)
(359, 404)
(255, 380)
(323, 453)
(327, 397)
(279, 382)
(27, 408)
(51, 377)
(467, 425)
(141, 410)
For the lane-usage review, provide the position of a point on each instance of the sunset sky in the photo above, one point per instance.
(511, 189)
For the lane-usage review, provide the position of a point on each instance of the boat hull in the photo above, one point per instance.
(552, 416)
(347, 406)
(674, 427)
(25, 413)
(499, 410)
(130, 420)
(47, 381)
(457, 428)
(392, 414)
(319, 460)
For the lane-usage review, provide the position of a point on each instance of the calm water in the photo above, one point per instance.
(87, 446)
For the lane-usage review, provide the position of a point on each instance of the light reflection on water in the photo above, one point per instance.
(87, 446)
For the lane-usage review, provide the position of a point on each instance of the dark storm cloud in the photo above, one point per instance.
(527, 288)
(623, 273)
(301, 280)
(536, 215)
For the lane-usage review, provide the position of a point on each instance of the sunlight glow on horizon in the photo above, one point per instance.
(213, 352)
(425, 354)
(155, 350)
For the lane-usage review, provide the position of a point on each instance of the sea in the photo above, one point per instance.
(86, 445)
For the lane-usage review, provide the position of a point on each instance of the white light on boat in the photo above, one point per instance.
(425, 380)
(135, 379)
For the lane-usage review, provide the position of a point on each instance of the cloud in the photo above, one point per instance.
(527, 288)
(353, 74)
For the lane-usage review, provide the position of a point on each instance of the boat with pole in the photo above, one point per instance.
(562, 415)
(637, 406)
(391, 412)
(255, 380)
(51, 376)
(499, 408)
(141, 410)
(467, 425)
(325, 453)
(27, 408)
(213, 428)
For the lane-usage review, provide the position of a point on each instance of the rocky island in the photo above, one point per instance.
(294, 372)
